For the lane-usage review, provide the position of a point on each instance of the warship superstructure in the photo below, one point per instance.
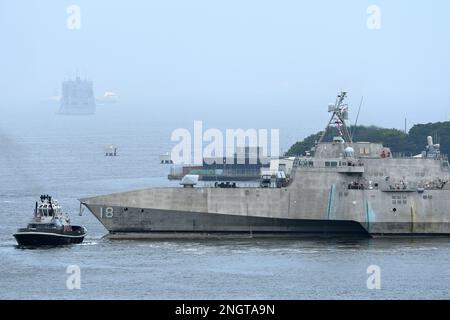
(77, 97)
(342, 188)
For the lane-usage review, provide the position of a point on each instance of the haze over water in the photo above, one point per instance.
(63, 156)
(246, 64)
(230, 64)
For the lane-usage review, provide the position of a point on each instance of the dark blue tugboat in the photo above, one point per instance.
(49, 226)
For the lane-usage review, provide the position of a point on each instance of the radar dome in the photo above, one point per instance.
(349, 152)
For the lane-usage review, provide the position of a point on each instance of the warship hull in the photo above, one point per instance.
(151, 223)
(319, 201)
(345, 188)
(141, 223)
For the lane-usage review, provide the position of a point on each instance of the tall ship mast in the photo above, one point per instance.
(77, 97)
(344, 188)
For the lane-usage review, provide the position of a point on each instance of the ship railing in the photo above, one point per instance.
(437, 184)
(398, 155)
(399, 188)
(239, 184)
(306, 161)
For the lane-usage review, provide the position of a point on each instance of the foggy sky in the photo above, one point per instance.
(282, 60)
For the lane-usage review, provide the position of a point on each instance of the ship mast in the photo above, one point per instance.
(339, 115)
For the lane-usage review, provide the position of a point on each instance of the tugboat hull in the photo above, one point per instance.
(46, 239)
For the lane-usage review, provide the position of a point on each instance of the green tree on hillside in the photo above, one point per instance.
(399, 142)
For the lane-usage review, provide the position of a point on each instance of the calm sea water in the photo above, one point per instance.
(63, 156)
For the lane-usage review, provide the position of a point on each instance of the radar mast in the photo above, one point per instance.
(339, 111)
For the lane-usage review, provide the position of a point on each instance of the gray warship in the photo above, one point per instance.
(343, 188)
(77, 97)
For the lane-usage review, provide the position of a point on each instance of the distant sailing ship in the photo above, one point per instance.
(77, 97)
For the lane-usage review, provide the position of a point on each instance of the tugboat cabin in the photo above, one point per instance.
(47, 210)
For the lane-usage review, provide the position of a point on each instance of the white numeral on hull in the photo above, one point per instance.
(109, 212)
